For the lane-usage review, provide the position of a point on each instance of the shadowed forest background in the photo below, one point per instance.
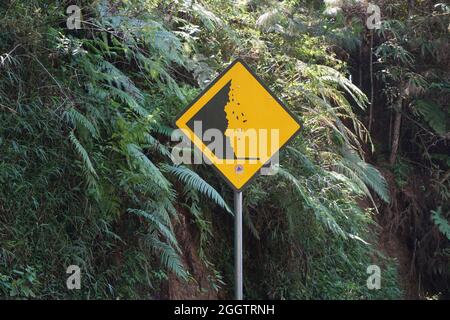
(86, 176)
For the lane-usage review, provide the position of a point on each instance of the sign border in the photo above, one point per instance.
(258, 173)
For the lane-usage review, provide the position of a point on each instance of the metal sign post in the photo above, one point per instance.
(238, 263)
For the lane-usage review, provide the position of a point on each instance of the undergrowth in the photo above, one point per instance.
(87, 178)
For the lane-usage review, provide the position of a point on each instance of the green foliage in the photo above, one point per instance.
(20, 284)
(363, 175)
(411, 69)
(440, 222)
(85, 122)
(193, 181)
(88, 152)
(308, 232)
(435, 117)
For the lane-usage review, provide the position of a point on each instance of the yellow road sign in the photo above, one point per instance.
(238, 124)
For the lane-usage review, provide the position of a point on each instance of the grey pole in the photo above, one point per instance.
(238, 245)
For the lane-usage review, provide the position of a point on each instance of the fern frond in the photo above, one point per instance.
(208, 18)
(155, 144)
(328, 74)
(159, 225)
(129, 100)
(115, 77)
(442, 223)
(305, 161)
(168, 256)
(268, 20)
(322, 213)
(78, 119)
(433, 115)
(147, 166)
(162, 130)
(354, 167)
(193, 180)
(82, 153)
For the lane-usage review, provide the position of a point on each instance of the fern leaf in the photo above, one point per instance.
(168, 256)
(353, 166)
(193, 180)
(148, 167)
(162, 130)
(129, 100)
(83, 153)
(159, 225)
(78, 119)
(433, 115)
(322, 213)
(442, 224)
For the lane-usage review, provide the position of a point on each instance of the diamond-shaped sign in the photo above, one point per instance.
(238, 124)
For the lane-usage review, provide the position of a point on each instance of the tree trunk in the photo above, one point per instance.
(371, 83)
(398, 111)
(396, 135)
(360, 62)
(410, 8)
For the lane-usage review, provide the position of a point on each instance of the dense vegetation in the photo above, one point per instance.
(87, 178)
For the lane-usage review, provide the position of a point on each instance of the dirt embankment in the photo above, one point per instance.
(392, 240)
(409, 236)
(199, 287)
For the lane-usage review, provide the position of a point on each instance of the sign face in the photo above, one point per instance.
(238, 124)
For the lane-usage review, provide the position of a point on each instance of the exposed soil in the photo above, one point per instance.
(393, 244)
(199, 287)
